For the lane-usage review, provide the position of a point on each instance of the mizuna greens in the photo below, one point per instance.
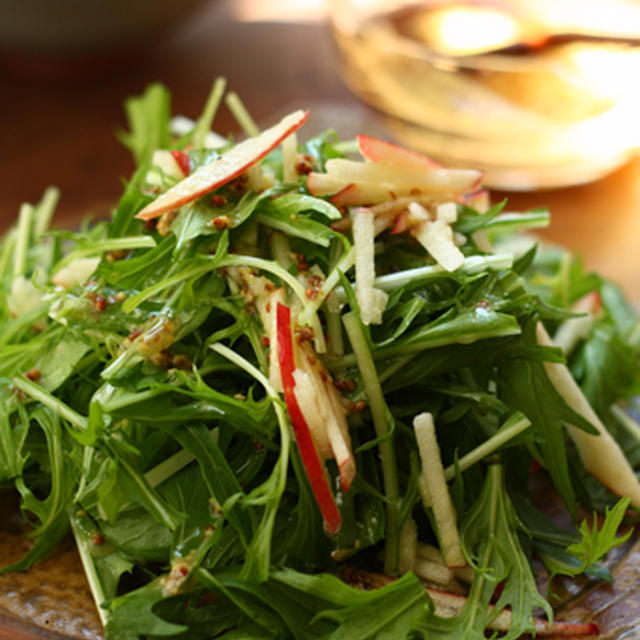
(279, 374)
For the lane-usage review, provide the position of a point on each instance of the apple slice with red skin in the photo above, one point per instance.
(368, 193)
(377, 150)
(401, 224)
(477, 199)
(182, 159)
(310, 459)
(224, 168)
(433, 180)
(365, 193)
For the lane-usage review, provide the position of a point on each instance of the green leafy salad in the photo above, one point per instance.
(302, 390)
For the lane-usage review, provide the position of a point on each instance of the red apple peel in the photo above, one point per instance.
(377, 150)
(310, 460)
(183, 161)
(224, 168)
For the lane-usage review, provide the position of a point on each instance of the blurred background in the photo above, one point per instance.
(511, 86)
(543, 94)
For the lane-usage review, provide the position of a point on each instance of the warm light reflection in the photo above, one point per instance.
(461, 30)
(615, 129)
(620, 17)
(557, 109)
(594, 67)
(279, 10)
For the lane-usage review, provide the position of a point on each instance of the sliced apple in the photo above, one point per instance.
(76, 272)
(435, 179)
(447, 212)
(436, 236)
(224, 168)
(393, 213)
(370, 193)
(339, 437)
(479, 200)
(350, 194)
(600, 454)
(434, 572)
(322, 184)
(322, 407)
(378, 150)
(407, 546)
(182, 160)
(276, 297)
(311, 405)
(371, 300)
(440, 501)
(401, 223)
(310, 459)
(165, 161)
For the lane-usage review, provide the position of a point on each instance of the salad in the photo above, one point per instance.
(301, 390)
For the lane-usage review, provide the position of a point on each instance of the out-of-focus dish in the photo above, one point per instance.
(547, 113)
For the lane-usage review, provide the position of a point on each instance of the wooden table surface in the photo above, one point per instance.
(58, 121)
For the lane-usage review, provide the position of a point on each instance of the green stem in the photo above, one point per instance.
(90, 570)
(471, 265)
(25, 223)
(44, 211)
(400, 363)
(379, 413)
(513, 221)
(258, 568)
(240, 113)
(632, 427)
(7, 257)
(108, 244)
(273, 267)
(22, 322)
(155, 505)
(494, 478)
(165, 469)
(270, 266)
(130, 304)
(334, 326)
(311, 307)
(411, 348)
(36, 392)
(205, 121)
(280, 248)
(508, 432)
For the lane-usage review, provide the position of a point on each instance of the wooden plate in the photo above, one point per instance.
(52, 600)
